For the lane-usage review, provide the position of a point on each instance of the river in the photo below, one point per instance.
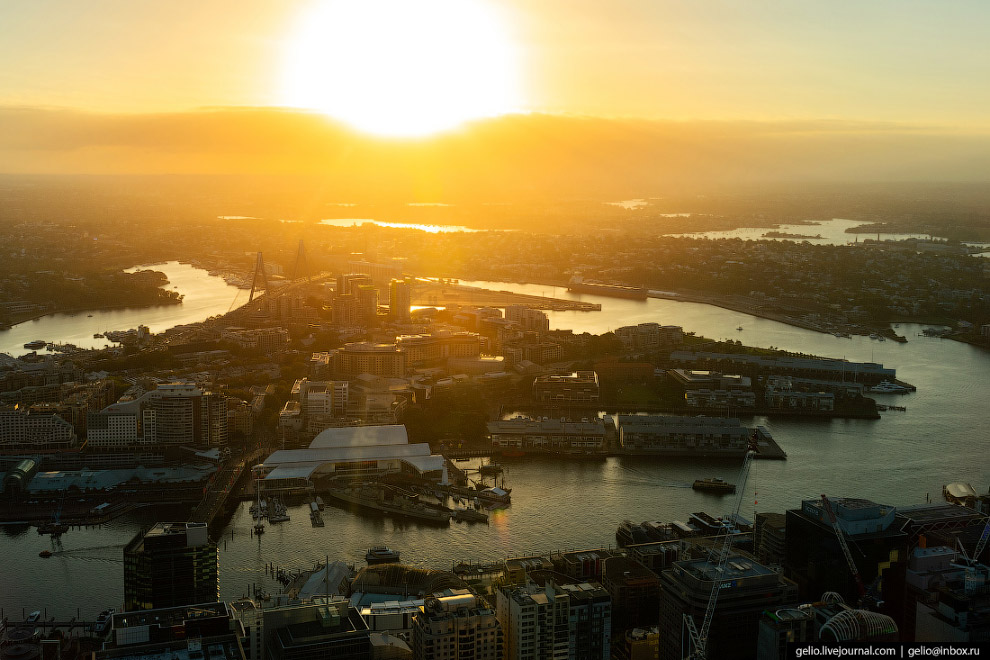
(204, 295)
(903, 458)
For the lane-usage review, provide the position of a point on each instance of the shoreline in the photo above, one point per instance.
(748, 308)
(101, 308)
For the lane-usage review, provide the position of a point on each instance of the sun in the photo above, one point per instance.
(402, 67)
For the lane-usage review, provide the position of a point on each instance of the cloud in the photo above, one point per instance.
(513, 154)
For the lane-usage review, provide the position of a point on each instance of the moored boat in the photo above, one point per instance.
(103, 620)
(887, 387)
(381, 554)
(470, 515)
(395, 503)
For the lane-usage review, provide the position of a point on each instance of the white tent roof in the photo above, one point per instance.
(361, 436)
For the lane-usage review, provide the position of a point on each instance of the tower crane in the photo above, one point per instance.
(845, 547)
(983, 541)
(699, 636)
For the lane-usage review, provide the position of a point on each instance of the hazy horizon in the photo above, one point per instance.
(516, 96)
(512, 153)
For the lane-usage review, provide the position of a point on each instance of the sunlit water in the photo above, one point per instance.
(903, 458)
(204, 295)
(832, 232)
(432, 229)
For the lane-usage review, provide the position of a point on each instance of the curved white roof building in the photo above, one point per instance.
(352, 450)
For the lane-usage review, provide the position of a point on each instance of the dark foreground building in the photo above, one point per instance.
(169, 565)
(748, 589)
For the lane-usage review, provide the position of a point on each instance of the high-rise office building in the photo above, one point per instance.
(399, 300)
(814, 558)
(566, 622)
(315, 631)
(635, 592)
(169, 565)
(367, 301)
(456, 625)
(346, 283)
(747, 588)
(172, 414)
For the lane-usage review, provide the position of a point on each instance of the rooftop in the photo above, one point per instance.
(168, 617)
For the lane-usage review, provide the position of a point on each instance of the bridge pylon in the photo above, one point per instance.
(301, 267)
(259, 277)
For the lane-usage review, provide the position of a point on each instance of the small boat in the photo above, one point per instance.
(714, 485)
(259, 528)
(36, 344)
(89, 316)
(45, 553)
(97, 335)
(739, 328)
(381, 554)
(470, 515)
(103, 621)
(490, 469)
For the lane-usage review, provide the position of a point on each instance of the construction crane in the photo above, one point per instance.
(983, 541)
(845, 548)
(699, 636)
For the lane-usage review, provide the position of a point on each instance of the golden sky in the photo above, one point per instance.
(868, 67)
(867, 60)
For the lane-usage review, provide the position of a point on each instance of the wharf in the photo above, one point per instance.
(769, 450)
(446, 295)
(222, 486)
(577, 411)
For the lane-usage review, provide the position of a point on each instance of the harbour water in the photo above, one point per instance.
(903, 458)
(204, 295)
(831, 232)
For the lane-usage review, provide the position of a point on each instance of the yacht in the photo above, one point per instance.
(887, 387)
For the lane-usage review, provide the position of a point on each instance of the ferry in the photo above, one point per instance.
(714, 485)
(579, 285)
(381, 554)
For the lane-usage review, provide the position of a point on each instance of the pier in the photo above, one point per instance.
(222, 486)
(442, 294)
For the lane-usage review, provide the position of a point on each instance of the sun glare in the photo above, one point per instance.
(402, 67)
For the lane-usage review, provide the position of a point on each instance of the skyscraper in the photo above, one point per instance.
(457, 625)
(399, 300)
(169, 565)
(746, 589)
